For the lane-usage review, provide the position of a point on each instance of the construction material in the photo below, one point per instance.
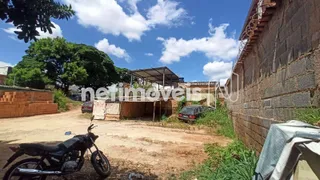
(20, 104)
(99, 107)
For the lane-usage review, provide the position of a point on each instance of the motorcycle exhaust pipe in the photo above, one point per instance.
(38, 172)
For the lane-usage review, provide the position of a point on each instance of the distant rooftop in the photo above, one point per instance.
(5, 70)
(201, 83)
(157, 75)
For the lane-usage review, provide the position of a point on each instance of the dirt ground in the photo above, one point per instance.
(132, 146)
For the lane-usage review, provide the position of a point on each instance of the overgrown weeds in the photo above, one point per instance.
(61, 99)
(218, 119)
(86, 115)
(172, 122)
(225, 163)
(308, 115)
(64, 103)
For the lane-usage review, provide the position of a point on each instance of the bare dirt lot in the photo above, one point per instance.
(133, 147)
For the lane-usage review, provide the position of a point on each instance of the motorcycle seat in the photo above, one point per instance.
(42, 147)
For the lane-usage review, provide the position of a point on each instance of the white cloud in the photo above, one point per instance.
(166, 12)
(4, 64)
(148, 54)
(56, 32)
(110, 18)
(218, 71)
(105, 46)
(217, 46)
(160, 39)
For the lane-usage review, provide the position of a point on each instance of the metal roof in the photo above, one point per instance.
(155, 75)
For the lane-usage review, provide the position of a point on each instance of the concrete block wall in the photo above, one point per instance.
(280, 74)
(20, 104)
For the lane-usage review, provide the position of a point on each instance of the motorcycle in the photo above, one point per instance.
(62, 159)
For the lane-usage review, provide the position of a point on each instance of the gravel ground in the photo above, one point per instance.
(132, 146)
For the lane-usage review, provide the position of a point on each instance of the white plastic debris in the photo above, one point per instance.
(134, 175)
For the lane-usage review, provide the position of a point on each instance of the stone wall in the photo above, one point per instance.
(280, 74)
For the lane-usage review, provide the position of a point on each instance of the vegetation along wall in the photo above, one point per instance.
(280, 75)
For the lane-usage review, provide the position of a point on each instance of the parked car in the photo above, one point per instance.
(193, 112)
(87, 107)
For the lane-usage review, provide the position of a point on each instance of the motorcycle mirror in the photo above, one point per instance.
(92, 117)
(67, 133)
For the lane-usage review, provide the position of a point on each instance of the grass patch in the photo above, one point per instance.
(309, 115)
(225, 163)
(86, 115)
(73, 102)
(218, 119)
(64, 103)
(173, 124)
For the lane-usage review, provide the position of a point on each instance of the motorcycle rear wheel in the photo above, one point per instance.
(10, 174)
(101, 164)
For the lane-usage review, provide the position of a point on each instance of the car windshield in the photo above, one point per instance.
(87, 104)
(187, 110)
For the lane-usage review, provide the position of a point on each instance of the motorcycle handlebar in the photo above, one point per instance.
(90, 127)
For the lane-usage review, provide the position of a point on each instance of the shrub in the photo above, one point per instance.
(309, 115)
(220, 120)
(181, 103)
(225, 163)
(195, 102)
(61, 99)
(164, 117)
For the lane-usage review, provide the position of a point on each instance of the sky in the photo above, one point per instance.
(196, 39)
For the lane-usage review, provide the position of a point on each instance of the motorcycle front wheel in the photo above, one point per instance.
(101, 164)
(30, 163)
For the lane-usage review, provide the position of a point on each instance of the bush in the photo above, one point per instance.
(220, 120)
(181, 103)
(309, 115)
(61, 99)
(195, 102)
(164, 117)
(225, 163)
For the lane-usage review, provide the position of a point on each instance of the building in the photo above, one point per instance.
(4, 72)
(129, 108)
(207, 91)
(278, 69)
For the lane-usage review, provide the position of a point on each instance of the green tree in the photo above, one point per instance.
(100, 68)
(33, 78)
(28, 73)
(73, 74)
(124, 75)
(27, 15)
(61, 63)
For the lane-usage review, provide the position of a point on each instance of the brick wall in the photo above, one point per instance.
(280, 74)
(20, 104)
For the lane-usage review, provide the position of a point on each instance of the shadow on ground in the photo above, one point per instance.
(121, 169)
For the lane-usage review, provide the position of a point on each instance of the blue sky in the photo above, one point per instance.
(197, 39)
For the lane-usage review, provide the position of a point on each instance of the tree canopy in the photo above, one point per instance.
(61, 63)
(28, 15)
